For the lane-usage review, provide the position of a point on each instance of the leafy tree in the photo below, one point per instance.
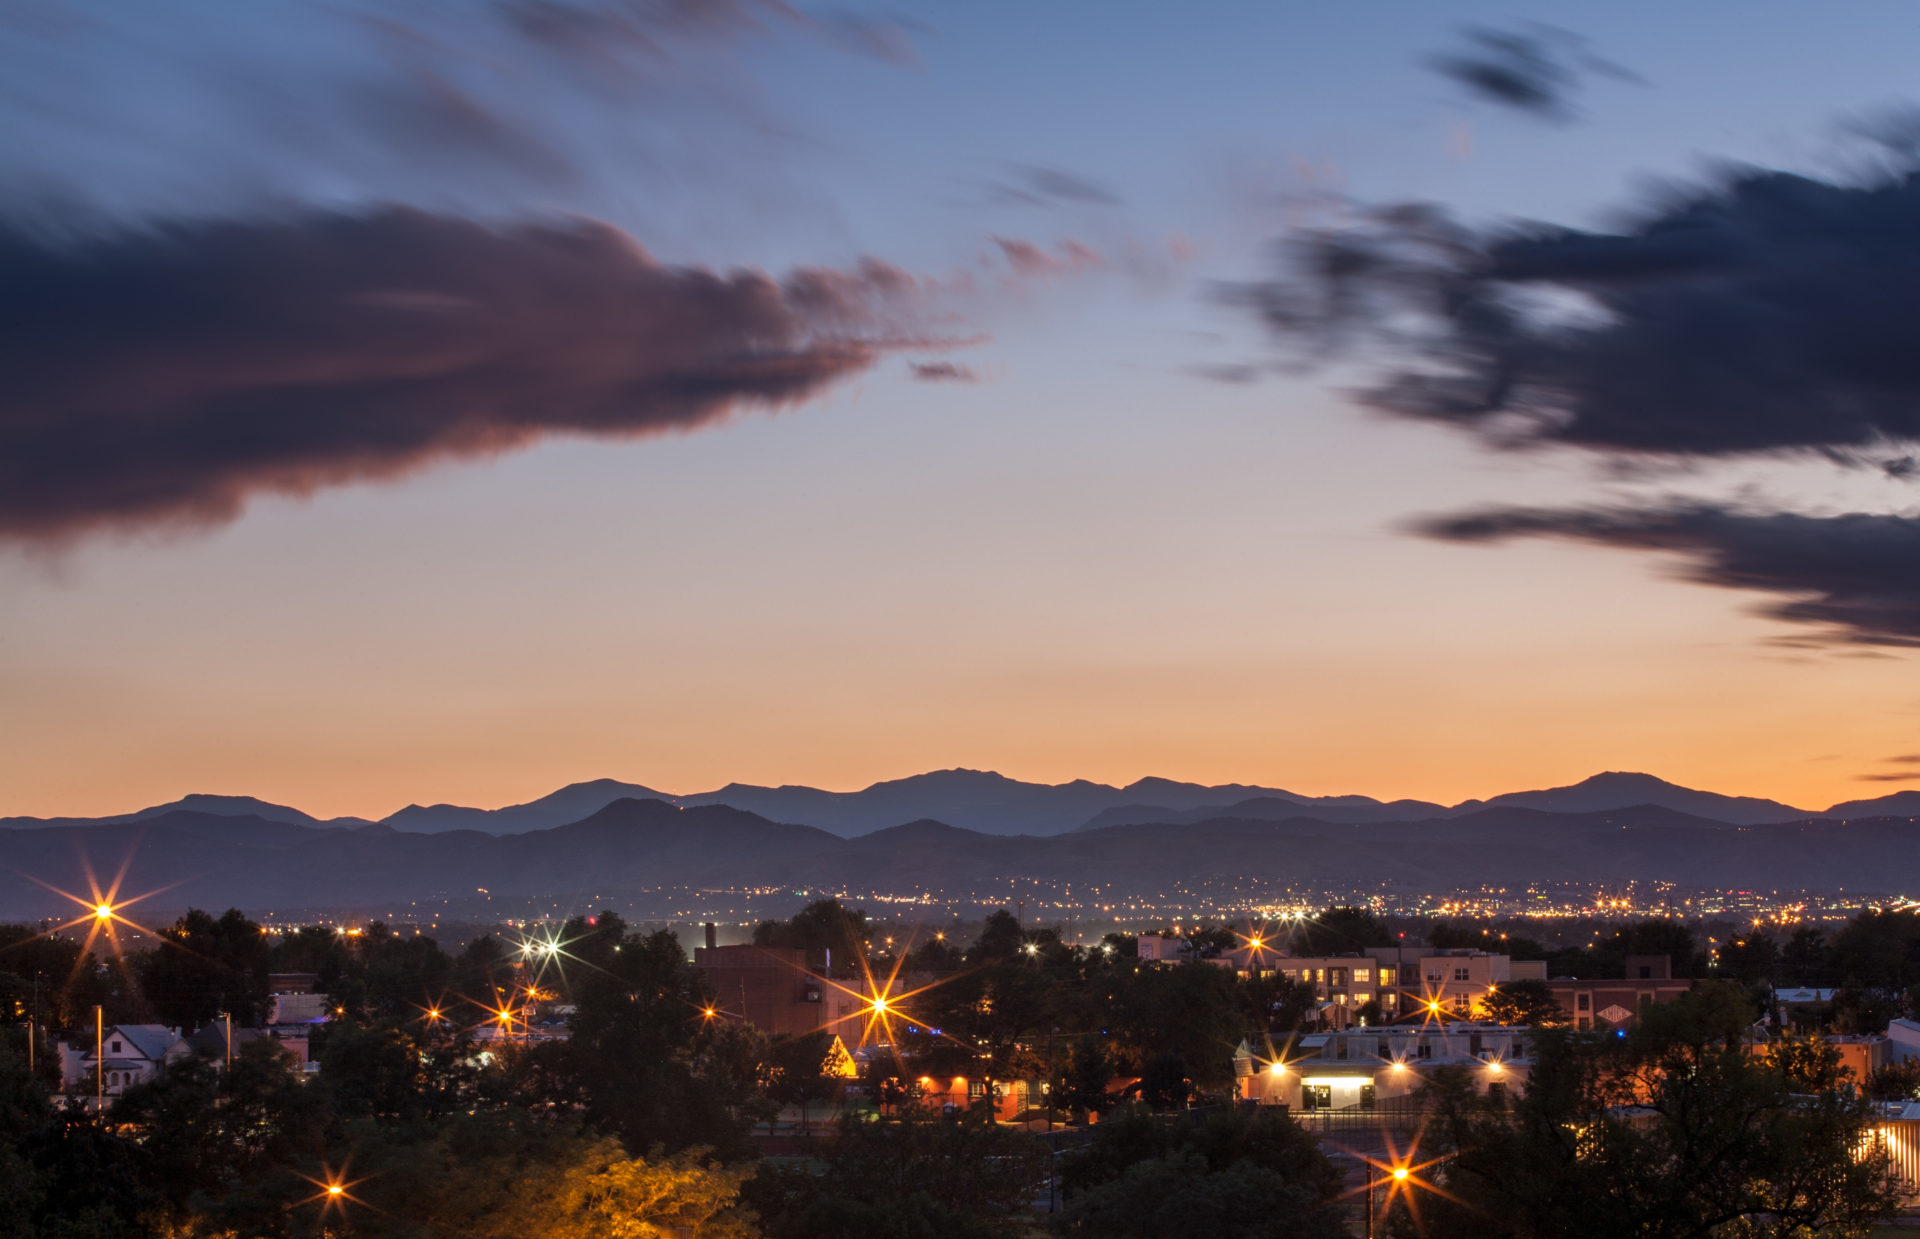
(1442, 935)
(1526, 1002)
(908, 1176)
(1673, 1131)
(1878, 950)
(1654, 936)
(1001, 939)
(823, 928)
(796, 1070)
(204, 968)
(642, 1062)
(1081, 1084)
(1193, 1012)
(1237, 1174)
(1752, 960)
(1895, 1081)
(1164, 1082)
(1176, 1198)
(1334, 931)
(1806, 958)
(601, 1191)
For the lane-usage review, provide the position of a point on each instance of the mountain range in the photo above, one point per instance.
(990, 803)
(220, 852)
(216, 860)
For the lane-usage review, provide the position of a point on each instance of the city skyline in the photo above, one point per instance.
(988, 460)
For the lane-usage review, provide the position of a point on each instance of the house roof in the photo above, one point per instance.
(150, 1041)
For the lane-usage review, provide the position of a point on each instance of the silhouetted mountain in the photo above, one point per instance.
(199, 802)
(1899, 804)
(994, 804)
(214, 860)
(569, 804)
(972, 799)
(1615, 790)
(1275, 809)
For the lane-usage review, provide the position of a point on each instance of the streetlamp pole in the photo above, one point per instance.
(99, 1058)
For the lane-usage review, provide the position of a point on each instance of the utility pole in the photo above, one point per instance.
(229, 1040)
(1369, 1200)
(99, 1058)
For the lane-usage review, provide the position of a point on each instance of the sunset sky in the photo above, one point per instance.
(1009, 476)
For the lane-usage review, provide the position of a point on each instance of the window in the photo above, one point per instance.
(116, 1047)
(1433, 978)
(1362, 975)
(1336, 976)
(1386, 1048)
(1646, 972)
(1584, 1022)
(1386, 976)
(1497, 1093)
(1424, 1050)
(1583, 1002)
(1462, 974)
(1319, 974)
(1340, 1048)
(1317, 1097)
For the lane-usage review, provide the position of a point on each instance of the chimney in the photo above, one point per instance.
(713, 935)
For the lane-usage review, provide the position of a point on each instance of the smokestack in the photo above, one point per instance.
(713, 935)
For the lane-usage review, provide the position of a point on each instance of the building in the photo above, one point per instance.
(1404, 982)
(211, 1042)
(128, 1054)
(1360, 1069)
(1605, 1002)
(772, 989)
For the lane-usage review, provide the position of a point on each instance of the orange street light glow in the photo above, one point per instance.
(102, 911)
(1400, 1172)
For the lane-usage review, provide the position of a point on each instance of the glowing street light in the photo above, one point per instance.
(103, 912)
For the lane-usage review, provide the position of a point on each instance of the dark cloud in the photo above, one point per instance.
(942, 372)
(1767, 312)
(1533, 68)
(1858, 574)
(164, 376)
(1886, 778)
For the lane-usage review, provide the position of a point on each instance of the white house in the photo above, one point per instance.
(129, 1054)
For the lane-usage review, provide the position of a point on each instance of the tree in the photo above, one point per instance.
(600, 1191)
(797, 1072)
(1081, 1084)
(822, 929)
(204, 968)
(1753, 959)
(1654, 936)
(1526, 1002)
(1164, 1082)
(1334, 931)
(1672, 1132)
(1237, 1174)
(1806, 959)
(911, 1175)
(1001, 937)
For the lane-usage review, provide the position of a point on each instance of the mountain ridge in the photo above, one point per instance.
(991, 803)
(639, 845)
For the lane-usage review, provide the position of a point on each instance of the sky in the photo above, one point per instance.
(444, 402)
